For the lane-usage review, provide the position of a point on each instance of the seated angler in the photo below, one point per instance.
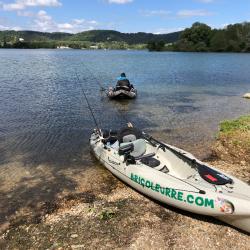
(123, 82)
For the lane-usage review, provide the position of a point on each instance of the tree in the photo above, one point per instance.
(196, 38)
(156, 46)
(218, 41)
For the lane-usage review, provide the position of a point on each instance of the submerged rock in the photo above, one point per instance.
(247, 95)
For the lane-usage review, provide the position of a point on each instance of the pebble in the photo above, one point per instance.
(77, 246)
(74, 235)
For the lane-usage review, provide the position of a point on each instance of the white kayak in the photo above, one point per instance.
(122, 92)
(173, 176)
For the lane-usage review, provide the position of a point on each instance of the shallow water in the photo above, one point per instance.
(45, 120)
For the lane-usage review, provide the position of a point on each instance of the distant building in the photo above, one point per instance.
(94, 47)
(21, 39)
(63, 47)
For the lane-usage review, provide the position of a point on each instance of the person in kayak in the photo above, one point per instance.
(123, 82)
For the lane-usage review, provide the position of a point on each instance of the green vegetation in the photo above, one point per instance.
(101, 39)
(202, 38)
(233, 141)
(199, 38)
(242, 124)
(156, 46)
(106, 215)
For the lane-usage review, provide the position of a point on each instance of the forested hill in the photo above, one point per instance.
(91, 36)
(32, 36)
(130, 38)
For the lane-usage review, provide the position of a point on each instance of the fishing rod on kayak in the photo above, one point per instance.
(88, 104)
(165, 146)
(148, 138)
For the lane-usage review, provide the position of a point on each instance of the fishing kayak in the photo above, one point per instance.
(122, 92)
(172, 176)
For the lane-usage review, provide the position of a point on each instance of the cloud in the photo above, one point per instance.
(194, 13)
(120, 1)
(25, 13)
(23, 4)
(167, 30)
(149, 13)
(44, 22)
(4, 27)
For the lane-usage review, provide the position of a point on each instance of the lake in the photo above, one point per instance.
(45, 123)
(182, 97)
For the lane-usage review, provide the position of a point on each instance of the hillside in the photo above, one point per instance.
(91, 36)
(32, 36)
(130, 38)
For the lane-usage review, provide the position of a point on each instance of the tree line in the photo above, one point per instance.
(202, 38)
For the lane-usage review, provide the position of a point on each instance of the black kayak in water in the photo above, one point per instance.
(122, 93)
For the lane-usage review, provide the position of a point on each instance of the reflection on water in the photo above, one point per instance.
(45, 120)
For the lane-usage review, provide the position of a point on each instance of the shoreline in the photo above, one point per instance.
(129, 220)
(132, 49)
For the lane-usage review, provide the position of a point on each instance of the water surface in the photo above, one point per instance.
(45, 123)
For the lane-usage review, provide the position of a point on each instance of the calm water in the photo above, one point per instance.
(182, 98)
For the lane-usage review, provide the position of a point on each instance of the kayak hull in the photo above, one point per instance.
(192, 194)
(122, 94)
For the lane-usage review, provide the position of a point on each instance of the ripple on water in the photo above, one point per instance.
(45, 122)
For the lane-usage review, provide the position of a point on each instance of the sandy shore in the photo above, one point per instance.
(47, 209)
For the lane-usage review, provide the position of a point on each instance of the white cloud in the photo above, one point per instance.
(23, 4)
(44, 22)
(3, 27)
(149, 13)
(167, 30)
(25, 13)
(120, 1)
(194, 13)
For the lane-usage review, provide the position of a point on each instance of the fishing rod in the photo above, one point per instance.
(150, 139)
(176, 152)
(88, 104)
(97, 81)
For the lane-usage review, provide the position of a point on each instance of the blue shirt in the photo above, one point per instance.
(121, 78)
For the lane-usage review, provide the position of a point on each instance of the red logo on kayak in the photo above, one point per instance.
(211, 178)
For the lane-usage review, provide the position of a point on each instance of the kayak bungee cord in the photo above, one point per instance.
(88, 104)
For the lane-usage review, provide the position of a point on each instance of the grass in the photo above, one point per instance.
(240, 125)
(233, 140)
(106, 214)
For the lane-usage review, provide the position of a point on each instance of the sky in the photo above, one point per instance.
(154, 16)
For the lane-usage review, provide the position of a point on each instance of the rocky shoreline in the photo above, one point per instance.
(117, 217)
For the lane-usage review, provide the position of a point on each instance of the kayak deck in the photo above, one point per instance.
(172, 176)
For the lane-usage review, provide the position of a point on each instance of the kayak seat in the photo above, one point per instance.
(151, 162)
(212, 176)
(129, 134)
(135, 148)
(129, 138)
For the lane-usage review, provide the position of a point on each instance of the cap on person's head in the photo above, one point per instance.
(123, 75)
